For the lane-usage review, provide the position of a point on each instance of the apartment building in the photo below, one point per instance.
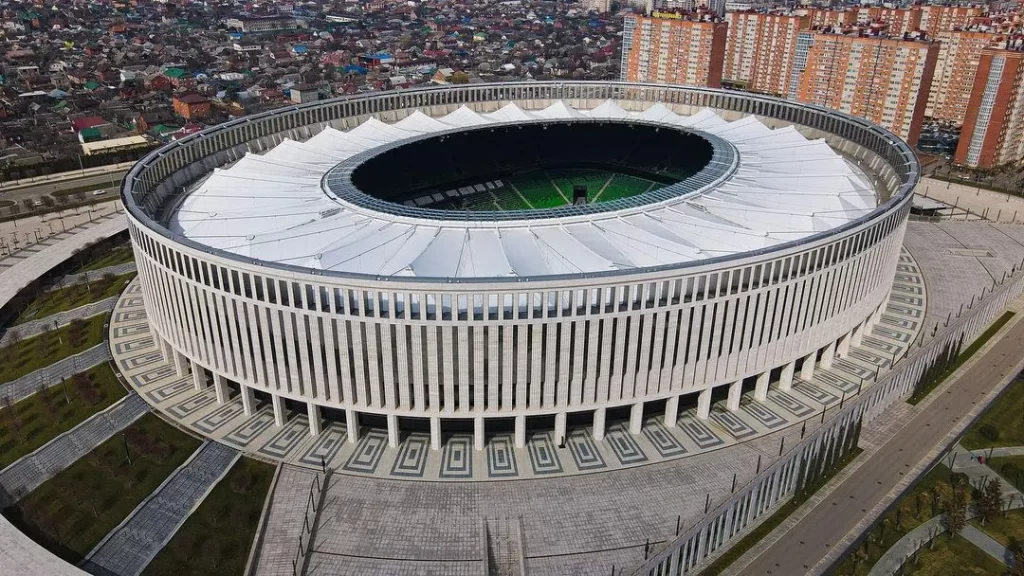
(993, 130)
(955, 69)
(670, 48)
(760, 47)
(885, 80)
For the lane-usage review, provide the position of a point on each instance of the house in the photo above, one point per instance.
(191, 106)
(304, 93)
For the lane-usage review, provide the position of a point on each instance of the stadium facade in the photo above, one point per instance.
(269, 270)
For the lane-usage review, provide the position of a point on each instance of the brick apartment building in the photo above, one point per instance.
(993, 130)
(959, 54)
(669, 48)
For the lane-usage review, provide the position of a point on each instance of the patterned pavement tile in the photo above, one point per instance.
(326, 446)
(243, 435)
(733, 424)
(412, 456)
(624, 446)
(213, 421)
(584, 452)
(281, 444)
(501, 458)
(367, 454)
(699, 432)
(457, 458)
(543, 456)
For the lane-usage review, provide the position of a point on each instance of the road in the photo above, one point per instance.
(811, 538)
(65, 181)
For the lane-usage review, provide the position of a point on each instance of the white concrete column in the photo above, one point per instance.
(520, 432)
(704, 404)
(786, 377)
(180, 364)
(198, 377)
(735, 393)
(248, 400)
(671, 411)
(278, 403)
(560, 428)
(636, 418)
(435, 433)
(352, 425)
(807, 369)
(313, 412)
(843, 348)
(393, 435)
(599, 416)
(858, 335)
(165, 349)
(761, 389)
(220, 385)
(478, 432)
(827, 355)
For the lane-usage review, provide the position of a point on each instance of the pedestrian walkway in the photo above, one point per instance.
(20, 270)
(36, 327)
(28, 472)
(284, 522)
(93, 275)
(51, 375)
(978, 475)
(129, 548)
(987, 544)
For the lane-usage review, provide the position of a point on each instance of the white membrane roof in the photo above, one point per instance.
(271, 206)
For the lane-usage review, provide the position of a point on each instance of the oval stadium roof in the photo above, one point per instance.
(272, 207)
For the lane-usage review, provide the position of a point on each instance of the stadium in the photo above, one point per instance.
(517, 257)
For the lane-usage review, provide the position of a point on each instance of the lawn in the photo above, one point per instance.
(116, 255)
(36, 420)
(216, 538)
(30, 354)
(1014, 473)
(70, 513)
(72, 297)
(1003, 530)
(1005, 415)
(953, 557)
(914, 508)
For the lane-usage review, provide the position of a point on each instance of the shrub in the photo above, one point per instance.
(989, 432)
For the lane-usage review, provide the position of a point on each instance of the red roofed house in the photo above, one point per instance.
(191, 106)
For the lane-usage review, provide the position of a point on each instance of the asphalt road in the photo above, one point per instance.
(810, 539)
(108, 181)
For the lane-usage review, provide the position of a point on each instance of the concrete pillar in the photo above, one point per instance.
(560, 428)
(313, 412)
(827, 355)
(198, 377)
(636, 418)
(807, 370)
(393, 435)
(180, 364)
(761, 389)
(735, 393)
(248, 400)
(520, 432)
(843, 348)
(478, 432)
(352, 425)
(704, 404)
(165, 349)
(435, 433)
(786, 377)
(278, 403)
(599, 416)
(858, 335)
(220, 385)
(671, 411)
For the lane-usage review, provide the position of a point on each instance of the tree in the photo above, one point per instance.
(956, 511)
(1017, 547)
(991, 501)
(28, 204)
(459, 78)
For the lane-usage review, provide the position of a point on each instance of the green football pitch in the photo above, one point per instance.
(551, 189)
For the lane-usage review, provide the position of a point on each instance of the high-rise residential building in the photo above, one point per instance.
(959, 54)
(934, 18)
(822, 17)
(759, 48)
(993, 130)
(884, 80)
(898, 21)
(672, 49)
